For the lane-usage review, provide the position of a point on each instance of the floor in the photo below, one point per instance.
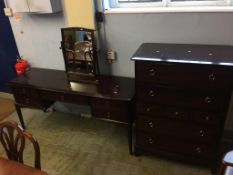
(72, 145)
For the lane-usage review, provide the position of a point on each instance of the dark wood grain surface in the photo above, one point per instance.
(109, 87)
(186, 53)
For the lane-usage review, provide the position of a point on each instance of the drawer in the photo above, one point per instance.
(187, 98)
(110, 104)
(163, 111)
(62, 96)
(177, 129)
(120, 115)
(208, 118)
(30, 101)
(199, 117)
(183, 74)
(158, 143)
(23, 91)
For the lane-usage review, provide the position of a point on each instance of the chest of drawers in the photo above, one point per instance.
(181, 104)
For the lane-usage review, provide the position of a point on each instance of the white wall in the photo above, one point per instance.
(38, 39)
(127, 31)
(41, 36)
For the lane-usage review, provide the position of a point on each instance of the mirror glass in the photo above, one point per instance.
(79, 51)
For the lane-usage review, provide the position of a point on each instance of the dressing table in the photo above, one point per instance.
(110, 99)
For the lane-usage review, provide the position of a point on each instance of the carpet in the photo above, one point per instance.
(6, 107)
(72, 145)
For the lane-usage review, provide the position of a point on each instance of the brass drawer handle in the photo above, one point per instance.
(152, 72)
(202, 133)
(147, 109)
(176, 113)
(150, 141)
(151, 93)
(207, 118)
(212, 77)
(208, 100)
(151, 125)
(198, 150)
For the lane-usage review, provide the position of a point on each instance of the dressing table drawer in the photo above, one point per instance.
(24, 91)
(30, 101)
(120, 115)
(63, 97)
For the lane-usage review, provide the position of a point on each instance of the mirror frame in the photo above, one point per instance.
(75, 76)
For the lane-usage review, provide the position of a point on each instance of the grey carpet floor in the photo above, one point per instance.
(71, 145)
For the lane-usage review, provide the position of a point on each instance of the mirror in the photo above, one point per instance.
(80, 54)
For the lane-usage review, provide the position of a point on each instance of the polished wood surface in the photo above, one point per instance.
(111, 99)
(109, 87)
(186, 53)
(12, 137)
(9, 167)
(182, 98)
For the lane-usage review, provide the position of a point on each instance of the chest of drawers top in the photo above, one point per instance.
(185, 53)
(184, 65)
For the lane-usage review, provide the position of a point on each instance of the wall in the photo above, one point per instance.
(126, 32)
(38, 39)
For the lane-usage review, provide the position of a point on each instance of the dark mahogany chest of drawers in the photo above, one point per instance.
(182, 97)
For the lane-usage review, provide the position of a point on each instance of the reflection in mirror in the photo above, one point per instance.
(80, 55)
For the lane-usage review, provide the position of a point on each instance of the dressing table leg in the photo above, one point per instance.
(19, 112)
(130, 139)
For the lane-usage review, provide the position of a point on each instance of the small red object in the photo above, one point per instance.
(21, 66)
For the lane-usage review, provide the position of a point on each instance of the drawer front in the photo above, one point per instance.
(23, 91)
(177, 129)
(62, 96)
(179, 113)
(116, 115)
(183, 74)
(110, 104)
(110, 109)
(30, 101)
(149, 142)
(195, 99)
(163, 111)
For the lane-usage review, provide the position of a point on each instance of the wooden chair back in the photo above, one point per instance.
(12, 137)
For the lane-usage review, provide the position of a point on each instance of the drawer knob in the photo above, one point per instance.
(151, 93)
(176, 113)
(208, 100)
(212, 77)
(151, 125)
(198, 150)
(207, 118)
(108, 114)
(150, 141)
(202, 133)
(152, 72)
(148, 109)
